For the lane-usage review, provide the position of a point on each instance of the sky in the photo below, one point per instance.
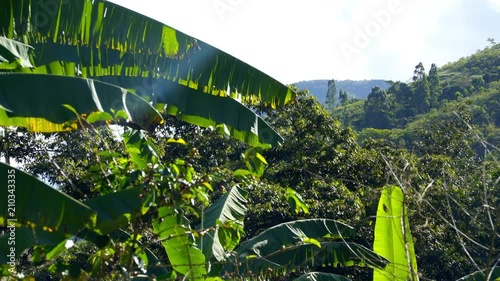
(297, 40)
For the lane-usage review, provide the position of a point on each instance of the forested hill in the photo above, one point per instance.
(358, 89)
(468, 89)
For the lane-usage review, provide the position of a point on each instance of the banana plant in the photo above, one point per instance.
(99, 40)
(320, 276)
(300, 245)
(67, 64)
(40, 102)
(48, 219)
(218, 237)
(39, 216)
(393, 239)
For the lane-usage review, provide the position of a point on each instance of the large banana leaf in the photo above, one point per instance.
(13, 54)
(295, 244)
(36, 213)
(307, 256)
(26, 237)
(43, 215)
(320, 276)
(36, 101)
(35, 204)
(289, 233)
(393, 238)
(201, 109)
(116, 210)
(101, 35)
(98, 40)
(191, 105)
(172, 230)
(230, 207)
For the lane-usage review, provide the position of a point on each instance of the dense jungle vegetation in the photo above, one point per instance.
(126, 172)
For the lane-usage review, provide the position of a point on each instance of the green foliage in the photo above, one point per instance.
(219, 234)
(38, 102)
(50, 214)
(318, 276)
(317, 159)
(298, 245)
(393, 239)
(467, 81)
(296, 202)
(254, 161)
(331, 95)
(337, 191)
(140, 205)
(159, 204)
(172, 229)
(111, 54)
(14, 55)
(156, 196)
(434, 86)
(117, 209)
(377, 110)
(343, 97)
(350, 115)
(421, 90)
(74, 219)
(484, 63)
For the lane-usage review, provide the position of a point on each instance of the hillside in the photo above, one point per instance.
(356, 89)
(469, 87)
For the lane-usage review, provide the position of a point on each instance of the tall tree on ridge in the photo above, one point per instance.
(343, 98)
(331, 95)
(421, 90)
(434, 86)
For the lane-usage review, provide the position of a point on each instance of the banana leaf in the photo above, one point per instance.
(320, 276)
(307, 256)
(173, 232)
(393, 238)
(293, 245)
(14, 54)
(26, 237)
(36, 101)
(289, 233)
(230, 207)
(41, 215)
(36, 213)
(98, 40)
(32, 203)
(201, 109)
(116, 210)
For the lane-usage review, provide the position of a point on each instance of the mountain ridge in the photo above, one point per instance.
(358, 89)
